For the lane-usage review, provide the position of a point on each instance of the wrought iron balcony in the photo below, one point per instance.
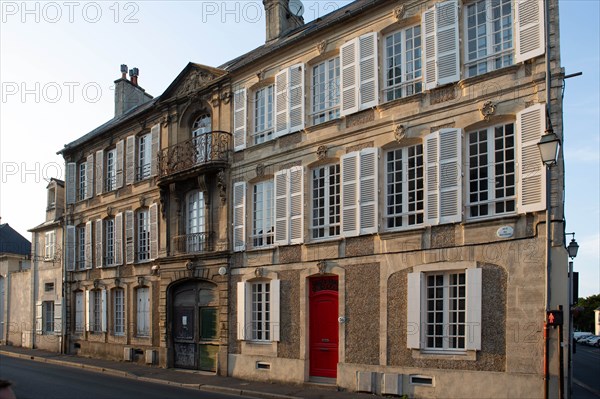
(193, 243)
(208, 149)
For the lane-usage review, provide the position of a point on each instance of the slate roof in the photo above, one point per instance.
(12, 242)
(338, 16)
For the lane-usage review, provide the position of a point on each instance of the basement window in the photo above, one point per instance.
(421, 380)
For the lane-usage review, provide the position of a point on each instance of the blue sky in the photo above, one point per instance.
(58, 61)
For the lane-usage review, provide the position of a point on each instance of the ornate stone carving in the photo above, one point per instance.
(322, 152)
(194, 81)
(109, 211)
(163, 200)
(399, 12)
(487, 110)
(117, 282)
(258, 272)
(360, 118)
(141, 280)
(226, 97)
(96, 284)
(399, 132)
(222, 186)
(322, 46)
(215, 100)
(260, 74)
(322, 265)
(260, 170)
(142, 201)
(442, 95)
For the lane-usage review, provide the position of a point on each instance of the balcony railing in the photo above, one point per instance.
(205, 149)
(193, 243)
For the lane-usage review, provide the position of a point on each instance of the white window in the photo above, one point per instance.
(444, 308)
(404, 205)
(143, 235)
(79, 312)
(143, 312)
(111, 170)
(359, 78)
(403, 63)
(326, 91)
(96, 311)
(144, 166)
(326, 201)
(262, 214)
(82, 181)
(50, 245)
(51, 198)
(80, 248)
(196, 237)
(258, 310)
(263, 114)
(492, 180)
(202, 140)
(489, 34)
(48, 317)
(109, 242)
(119, 311)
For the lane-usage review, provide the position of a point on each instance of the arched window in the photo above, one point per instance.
(195, 223)
(202, 124)
(202, 139)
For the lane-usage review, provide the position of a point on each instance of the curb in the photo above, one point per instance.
(124, 374)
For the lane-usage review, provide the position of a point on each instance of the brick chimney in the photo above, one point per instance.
(128, 94)
(280, 20)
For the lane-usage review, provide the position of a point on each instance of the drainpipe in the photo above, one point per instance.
(34, 285)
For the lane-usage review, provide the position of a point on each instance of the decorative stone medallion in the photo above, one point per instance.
(399, 12)
(399, 132)
(322, 46)
(322, 152)
(487, 110)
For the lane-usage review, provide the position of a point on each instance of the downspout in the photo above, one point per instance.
(63, 307)
(34, 268)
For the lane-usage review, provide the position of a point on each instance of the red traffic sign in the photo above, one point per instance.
(555, 318)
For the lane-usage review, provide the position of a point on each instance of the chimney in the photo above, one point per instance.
(128, 94)
(280, 18)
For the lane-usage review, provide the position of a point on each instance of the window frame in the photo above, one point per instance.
(405, 214)
(401, 89)
(119, 312)
(142, 313)
(96, 304)
(264, 107)
(267, 210)
(490, 166)
(110, 182)
(80, 248)
(79, 326)
(48, 317)
(82, 186)
(195, 221)
(331, 86)
(260, 292)
(144, 157)
(143, 235)
(49, 245)
(331, 200)
(108, 246)
(491, 58)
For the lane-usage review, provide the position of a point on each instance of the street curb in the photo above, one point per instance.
(119, 373)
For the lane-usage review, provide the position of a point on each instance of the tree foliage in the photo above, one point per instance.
(583, 313)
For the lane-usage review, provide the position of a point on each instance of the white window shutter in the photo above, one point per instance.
(349, 195)
(99, 172)
(282, 103)
(447, 57)
(99, 237)
(532, 177)
(368, 189)
(70, 249)
(155, 136)
(432, 188)
(118, 245)
(57, 317)
(39, 320)
(368, 71)
(153, 231)
(239, 120)
(413, 311)
(429, 48)
(282, 207)
(275, 310)
(120, 146)
(241, 310)
(530, 34)
(89, 176)
(296, 194)
(71, 178)
(88, 249)
(89, 311)
(103, 310)
(473, 317)
(348, 78)
(239, 216)
(129, 243)
(296, 97)
(450, 175)
(130, 160)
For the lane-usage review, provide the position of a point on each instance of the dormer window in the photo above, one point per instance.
(51, 198)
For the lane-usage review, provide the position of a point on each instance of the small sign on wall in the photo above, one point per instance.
(505, 232)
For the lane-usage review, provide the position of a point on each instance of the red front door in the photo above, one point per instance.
(323, 341)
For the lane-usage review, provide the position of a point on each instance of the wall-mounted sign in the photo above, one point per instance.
(505, 232)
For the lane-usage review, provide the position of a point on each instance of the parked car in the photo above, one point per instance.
(593, 341)
(581, 336)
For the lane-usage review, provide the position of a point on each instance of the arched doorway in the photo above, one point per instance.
(194, 322)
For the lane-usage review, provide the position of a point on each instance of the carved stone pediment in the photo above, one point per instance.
(193, 82)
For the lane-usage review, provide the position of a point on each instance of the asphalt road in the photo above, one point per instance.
(33, 380)
(586, 369)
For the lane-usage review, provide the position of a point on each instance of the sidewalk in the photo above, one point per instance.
(184, 378)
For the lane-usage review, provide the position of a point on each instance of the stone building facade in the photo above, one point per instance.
(358, 202)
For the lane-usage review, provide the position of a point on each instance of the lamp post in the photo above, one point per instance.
(572, 250)
(549, 146)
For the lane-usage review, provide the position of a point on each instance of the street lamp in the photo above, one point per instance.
(549, 146)
(573, 247)
(572, 250)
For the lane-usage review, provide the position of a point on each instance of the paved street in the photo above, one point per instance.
(35, 380)
(586, 369)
